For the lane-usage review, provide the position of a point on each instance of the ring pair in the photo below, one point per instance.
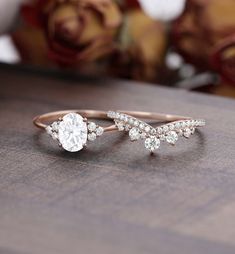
(73, 129)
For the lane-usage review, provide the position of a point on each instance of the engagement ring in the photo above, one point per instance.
(73, 129)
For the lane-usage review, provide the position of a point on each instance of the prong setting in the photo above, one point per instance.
(73, 131)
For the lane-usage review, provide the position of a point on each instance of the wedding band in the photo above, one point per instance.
(170, 132)
(72, 129)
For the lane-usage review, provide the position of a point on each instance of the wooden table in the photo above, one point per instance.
(114, 197)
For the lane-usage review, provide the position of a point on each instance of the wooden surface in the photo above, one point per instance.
(114, 197)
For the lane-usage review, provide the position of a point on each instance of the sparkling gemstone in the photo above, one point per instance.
(153, 131)
(120, 126)
(180, 133)
(131, 121)
(91, 126)
(147, 128)
(183, 124)
(187, 132)
(134, 134)
(99, 131)
(111, 114)
(162, 137)
(177, 125)
(125, 118)
(171, 127)
(143, 135)
(159, 130)
(136, 122)
(152, 143)
(72, 132)
(141, 126)
(127, 127)
(171, 137)
(122, 117)
(165, 128)
(91, 136)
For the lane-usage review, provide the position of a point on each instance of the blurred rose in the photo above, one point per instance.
(204, 34)
(77, 31)
(143, 47)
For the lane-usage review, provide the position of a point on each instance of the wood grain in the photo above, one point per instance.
(114, 197)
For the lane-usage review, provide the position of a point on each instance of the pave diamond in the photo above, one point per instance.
(72, 132)
(147, 128)
(165, 128)
(187, 132)
(134, 134)
(172, 137)
(152, 143)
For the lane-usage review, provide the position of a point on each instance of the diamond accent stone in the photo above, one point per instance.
(183, 124)
(159, 130)
(153, 131)
(91, 126)
(120, 126)
(143, 135)
(165, 128)
(171, 127)
(187, 132)
(162, 137)
(141, 126)
(91, 136)
(171, 137)
(99, 131)
(147, 128)
(177, 125)
(134, 134)
(180, 133)
(136, 122)
(131, 121)
(127, 127)
(72, 132)
(152, 143)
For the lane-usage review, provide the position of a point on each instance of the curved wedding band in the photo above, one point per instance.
(72, 128)
(170, 132)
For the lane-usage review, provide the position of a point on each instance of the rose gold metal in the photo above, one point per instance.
(42, 121)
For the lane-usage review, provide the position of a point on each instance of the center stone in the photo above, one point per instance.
(72, 132)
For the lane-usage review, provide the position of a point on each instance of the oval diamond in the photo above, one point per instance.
(72, 132)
